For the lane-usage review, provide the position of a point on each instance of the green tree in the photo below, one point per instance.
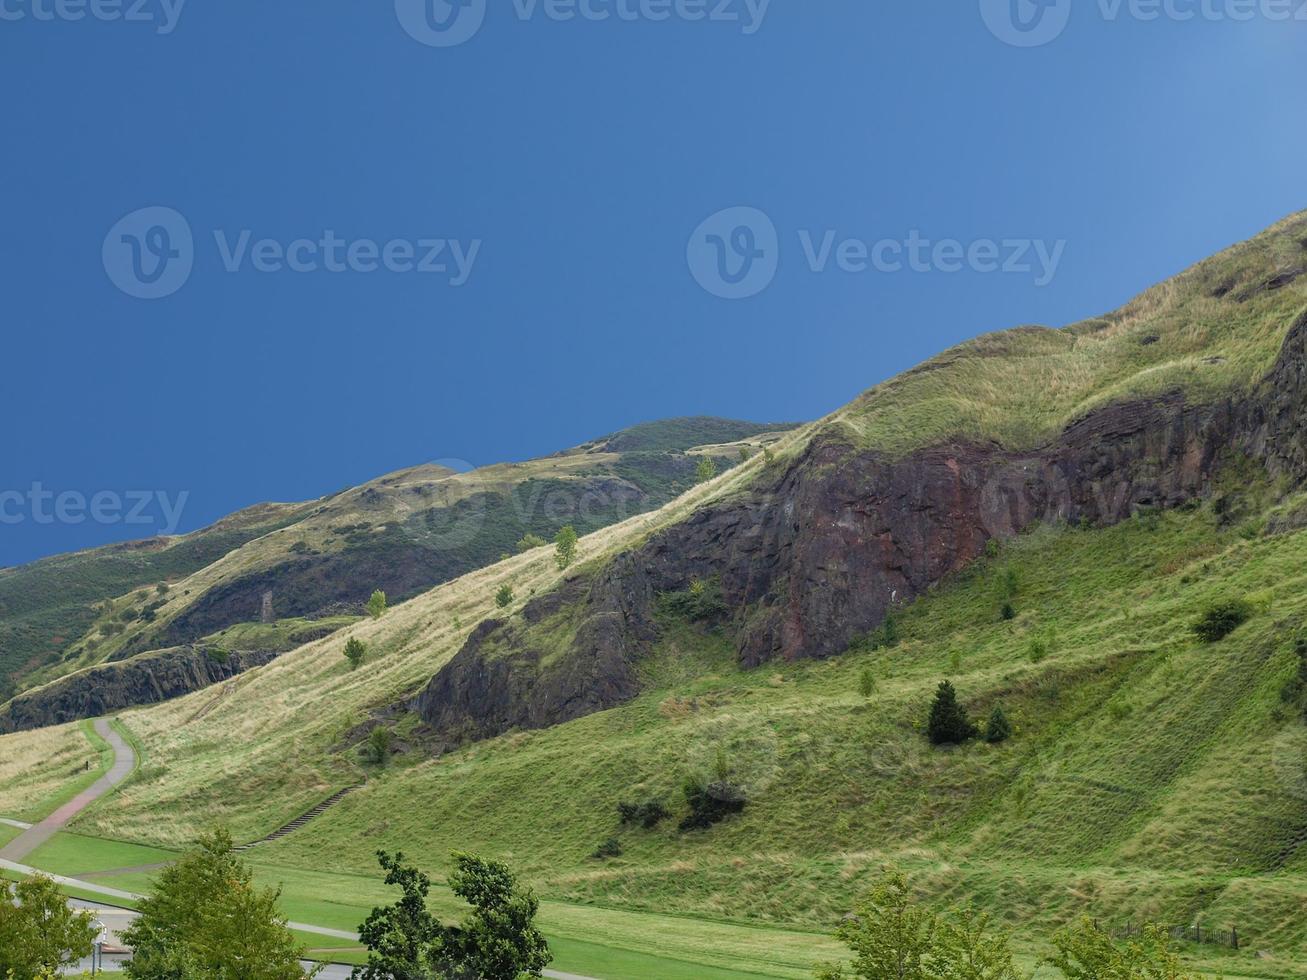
(948, 723)
(706, 470)
(530, 542)
(1084, 952)
(355, 652)
(399, 937)
(497, 941)
(967, 949)
(379, 740)
(206, 919)
(565, 547)
(998, 729)
(39, 933)
(504, 597)
(890, 936)
(744, 455)
(377, 604)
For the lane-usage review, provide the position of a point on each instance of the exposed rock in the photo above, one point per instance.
(818, 554)
(147, 679)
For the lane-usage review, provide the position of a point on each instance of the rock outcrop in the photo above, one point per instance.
(821, 550)
(147, 679)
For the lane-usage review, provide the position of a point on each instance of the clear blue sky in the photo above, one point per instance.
(582, 154)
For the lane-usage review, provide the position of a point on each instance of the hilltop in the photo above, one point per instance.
(1040, 516)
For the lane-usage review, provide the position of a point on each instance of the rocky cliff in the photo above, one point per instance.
(147, 679)
(820, 550)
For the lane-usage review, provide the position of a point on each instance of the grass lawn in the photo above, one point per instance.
(74, 855)
(8, 833)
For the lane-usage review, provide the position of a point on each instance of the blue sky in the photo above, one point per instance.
(566, 161)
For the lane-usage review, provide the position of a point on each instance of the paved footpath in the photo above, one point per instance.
(124, 761)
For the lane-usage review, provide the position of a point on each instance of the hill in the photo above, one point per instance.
(1041, 517)
(312, 566)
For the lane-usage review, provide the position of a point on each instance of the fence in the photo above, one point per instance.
(1193, 934)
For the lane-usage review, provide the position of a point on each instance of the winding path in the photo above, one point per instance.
(124, 761)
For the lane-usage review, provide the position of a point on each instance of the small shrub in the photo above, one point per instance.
(768, 457)
(744, 455)
(377, 604)
(1222, 619)
(701, 601)
(1007, 612)
(706, 470)
(610, 848)
(710, 802)
(866, 682)
(948, 723)
(1037, 651)
(504, 597)
(999, 729)
(647, 815)
(530, 542)
(162, 588)
(355, 652)
(379, 740)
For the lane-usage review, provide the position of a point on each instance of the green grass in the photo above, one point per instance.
(73, 855)
(1142, 781)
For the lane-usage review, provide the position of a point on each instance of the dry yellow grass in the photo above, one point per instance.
(39, 767)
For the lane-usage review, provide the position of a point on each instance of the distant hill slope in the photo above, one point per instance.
(1041, 517)
(402, 533)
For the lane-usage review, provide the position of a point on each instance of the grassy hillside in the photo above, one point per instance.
(1151, 776)
(1213, 330)
(403, 533)
(48, 605)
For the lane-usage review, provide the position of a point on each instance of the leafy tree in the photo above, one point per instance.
(998, 729)
(966, 949)
(39, 933)
(948, 724)
(504, 597)
(565, 547)
(497, 941)
(399, 937)
(530, 542)
(867, 682)
(355, 652)
(706, 470)
(744, 455)
(377, 604)
(890, 936)
(379, 740)
(1084, 952)
(893, 938)
(206, 919)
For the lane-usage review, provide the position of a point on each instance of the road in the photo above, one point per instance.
(124, 761)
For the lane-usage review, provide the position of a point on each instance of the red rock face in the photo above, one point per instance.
(819, 553)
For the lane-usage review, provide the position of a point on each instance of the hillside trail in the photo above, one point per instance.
(124, 761)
